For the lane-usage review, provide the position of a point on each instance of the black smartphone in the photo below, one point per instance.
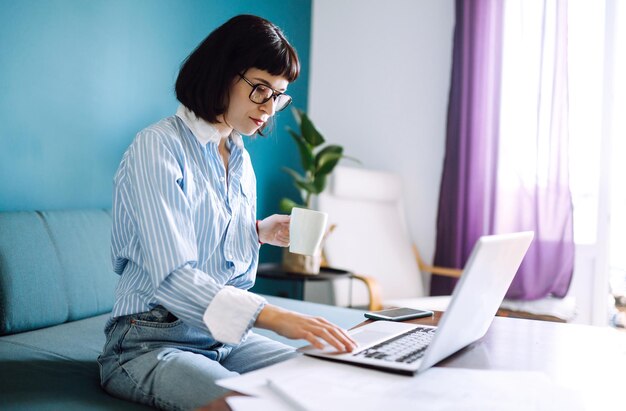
(398, 314)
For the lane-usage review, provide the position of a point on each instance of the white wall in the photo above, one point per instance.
(380, 75)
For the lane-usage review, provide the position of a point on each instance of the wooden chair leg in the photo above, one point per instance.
(373, 290)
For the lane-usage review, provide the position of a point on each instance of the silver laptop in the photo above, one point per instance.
(406, 348)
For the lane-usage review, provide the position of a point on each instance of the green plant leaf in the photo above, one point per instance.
(287, 204)
(327, 159)
(298, 181)
(307, 187)
(356, 160)
(294, 174)
(331, 148)
(306, 151)
(328, 163)
(309, 132)
(297, 114)
(320, 183)
(316, 167)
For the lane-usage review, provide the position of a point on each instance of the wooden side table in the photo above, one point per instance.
(272, 279)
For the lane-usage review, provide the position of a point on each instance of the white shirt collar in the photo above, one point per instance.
(204, 131)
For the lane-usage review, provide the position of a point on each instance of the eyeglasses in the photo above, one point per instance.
(262, 93)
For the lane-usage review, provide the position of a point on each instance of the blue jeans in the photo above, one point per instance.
(154, 358)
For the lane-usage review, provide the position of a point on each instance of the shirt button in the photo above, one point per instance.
(222, 179)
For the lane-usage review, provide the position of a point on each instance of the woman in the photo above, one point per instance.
(185, 239)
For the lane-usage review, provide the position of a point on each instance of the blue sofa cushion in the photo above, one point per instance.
(55, 368)
(31, 288)
(82, 239)
(54, 267)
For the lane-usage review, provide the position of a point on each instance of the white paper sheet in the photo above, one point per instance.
(257, 404)
(321, 385)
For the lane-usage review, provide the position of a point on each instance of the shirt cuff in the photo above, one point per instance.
(231, 314)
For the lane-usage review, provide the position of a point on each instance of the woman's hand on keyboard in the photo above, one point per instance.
(315, 330)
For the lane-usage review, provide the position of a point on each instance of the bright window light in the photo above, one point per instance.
(586, 68)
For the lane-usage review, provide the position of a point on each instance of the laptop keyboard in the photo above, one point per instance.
(405, 348)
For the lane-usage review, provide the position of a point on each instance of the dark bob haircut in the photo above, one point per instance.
(243, 42)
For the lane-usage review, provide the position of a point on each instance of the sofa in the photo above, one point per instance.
(56, 292)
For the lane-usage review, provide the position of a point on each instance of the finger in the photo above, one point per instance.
(348, 343)
(282, 218)
(346, 335)
(279, 243)
(313, 340)
(327, 336)
(282, 239)
(323, 321)
(285, 226)
(342, 334)
(278, 236)
(282, 233)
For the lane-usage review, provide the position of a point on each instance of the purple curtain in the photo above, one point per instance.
(475, 198)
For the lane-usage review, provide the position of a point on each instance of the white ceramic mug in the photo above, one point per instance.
(306, 230)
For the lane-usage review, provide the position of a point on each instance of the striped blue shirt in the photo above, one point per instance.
(184, 233)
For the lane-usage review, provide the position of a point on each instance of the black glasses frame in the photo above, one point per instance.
(275, 94)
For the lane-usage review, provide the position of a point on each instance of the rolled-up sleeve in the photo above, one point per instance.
(232, 313)
(227, 313)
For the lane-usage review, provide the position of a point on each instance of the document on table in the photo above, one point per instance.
(257, 404)
(311, 384)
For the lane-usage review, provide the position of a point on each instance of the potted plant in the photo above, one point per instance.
(318, 161)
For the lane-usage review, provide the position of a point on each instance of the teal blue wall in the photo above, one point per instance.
(78, 79)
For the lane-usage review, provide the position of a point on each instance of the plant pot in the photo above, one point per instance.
(301, 264)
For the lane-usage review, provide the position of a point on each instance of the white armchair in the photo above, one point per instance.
(371, 240)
